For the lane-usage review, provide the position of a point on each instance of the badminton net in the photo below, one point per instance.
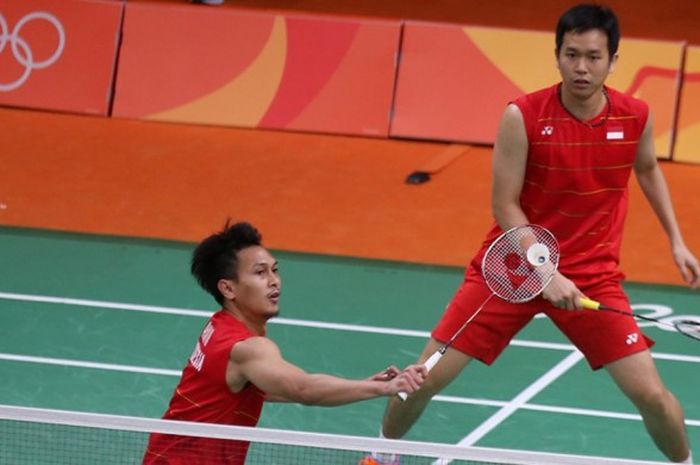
(31, 436)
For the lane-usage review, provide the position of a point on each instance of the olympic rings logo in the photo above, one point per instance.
(21, 50)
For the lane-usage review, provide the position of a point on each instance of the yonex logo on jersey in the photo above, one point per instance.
(615, 134)
(632, 339)
(547, 130)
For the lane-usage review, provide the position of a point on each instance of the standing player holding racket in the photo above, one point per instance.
(562, 160)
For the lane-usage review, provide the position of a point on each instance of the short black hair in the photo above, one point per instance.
(588, 16)
(216, 257)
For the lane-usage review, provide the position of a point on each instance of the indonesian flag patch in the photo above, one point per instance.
(615, 133)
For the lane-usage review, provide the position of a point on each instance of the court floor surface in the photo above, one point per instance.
(105, 324)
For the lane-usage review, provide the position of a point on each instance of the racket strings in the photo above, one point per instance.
(690, 328)
(520, 263)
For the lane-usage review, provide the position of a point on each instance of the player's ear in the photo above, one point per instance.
(227, 287)
(613, 62)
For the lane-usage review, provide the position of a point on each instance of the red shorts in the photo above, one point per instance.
(602, 337)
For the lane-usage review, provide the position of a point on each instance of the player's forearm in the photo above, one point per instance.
(508, 214)
(325, 390)
(655, 189)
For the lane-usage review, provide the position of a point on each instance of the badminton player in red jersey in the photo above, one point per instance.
(234, 367)
(562, 159)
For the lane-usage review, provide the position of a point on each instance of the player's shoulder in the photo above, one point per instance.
(537, 97)
(226, 330)
(536, 103)
(254, 348)
(626, 103)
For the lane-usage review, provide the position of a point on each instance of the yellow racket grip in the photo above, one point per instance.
(589, 304)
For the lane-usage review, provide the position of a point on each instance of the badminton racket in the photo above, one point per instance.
(517, 266)
(686, 327)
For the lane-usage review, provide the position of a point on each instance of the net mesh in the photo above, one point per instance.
(520, 263)
(50, 437)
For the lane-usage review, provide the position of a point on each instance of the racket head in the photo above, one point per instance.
(520, 263)
(690, 328)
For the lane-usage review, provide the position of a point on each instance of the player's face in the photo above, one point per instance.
(257, 290)
(584, 63)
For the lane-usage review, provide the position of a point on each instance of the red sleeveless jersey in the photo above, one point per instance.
(576, 179)
(202, 395)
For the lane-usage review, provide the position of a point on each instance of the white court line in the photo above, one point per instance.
(103, 304)
(295, 322)
(507, 409)
(517, 402)
(84, 364)
(549, 408)
(438, 398)
(207, 314)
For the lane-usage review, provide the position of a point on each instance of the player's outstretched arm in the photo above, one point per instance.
(259, 361)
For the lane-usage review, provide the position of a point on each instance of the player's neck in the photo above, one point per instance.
(584, 109)
(256, 324)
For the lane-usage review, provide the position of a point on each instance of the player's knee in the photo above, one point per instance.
(655, 399)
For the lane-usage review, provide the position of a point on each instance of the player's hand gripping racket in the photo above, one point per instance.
(690, 328)
(517, 266)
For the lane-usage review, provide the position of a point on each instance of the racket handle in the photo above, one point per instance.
(589, 304)
(432, 361)
(429, 364)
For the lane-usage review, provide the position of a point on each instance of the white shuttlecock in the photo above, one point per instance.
(538, 254)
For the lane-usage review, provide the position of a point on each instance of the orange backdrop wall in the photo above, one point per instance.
(454, 81)
(310, 72)
(255, 69)
(687, 147)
